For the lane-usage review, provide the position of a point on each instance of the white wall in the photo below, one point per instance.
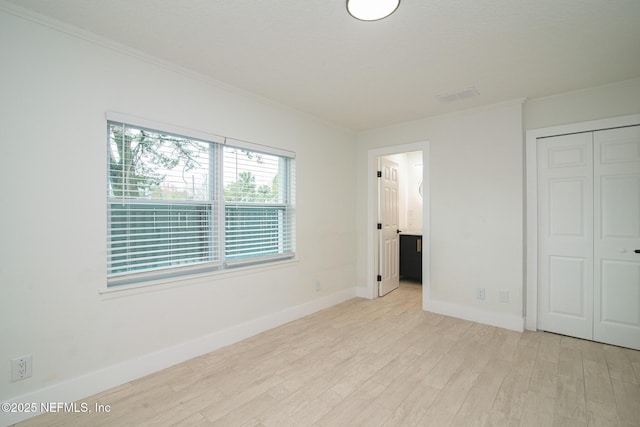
(613, 100)
(476, 209)
(414, 206)
(55, 89)
(409, 201)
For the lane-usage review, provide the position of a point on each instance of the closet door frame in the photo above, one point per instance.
(531, 201)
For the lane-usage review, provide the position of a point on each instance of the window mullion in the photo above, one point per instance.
(219, 198)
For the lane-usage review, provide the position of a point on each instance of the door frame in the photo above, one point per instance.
(372, 256)
(531, 212)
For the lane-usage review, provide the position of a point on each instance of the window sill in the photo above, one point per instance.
(191, 279)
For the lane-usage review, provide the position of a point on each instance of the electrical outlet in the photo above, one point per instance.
(479, 293)
(21, 368)
(504, 296)
(318, 287)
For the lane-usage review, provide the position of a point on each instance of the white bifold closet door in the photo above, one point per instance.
(588, 235)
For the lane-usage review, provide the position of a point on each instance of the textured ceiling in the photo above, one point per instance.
(312, 56)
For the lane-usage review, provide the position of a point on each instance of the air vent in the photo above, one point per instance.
(458, 96)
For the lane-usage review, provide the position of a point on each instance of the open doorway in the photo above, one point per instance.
(399, 246)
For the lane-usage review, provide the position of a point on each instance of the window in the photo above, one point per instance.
(180, 205)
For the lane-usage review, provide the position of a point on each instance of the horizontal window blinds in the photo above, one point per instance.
(258, 216)
(160, 201)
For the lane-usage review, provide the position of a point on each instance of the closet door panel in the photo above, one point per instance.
(565, 235)
(617, 236)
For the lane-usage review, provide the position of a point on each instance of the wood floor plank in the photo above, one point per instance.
(510, 398)
(349, 411)
(538, 410)
(598, 382)
(619, 364)
(600, 415)
(311, 411)
(627, 397)
(245, 413)
(289, 407)
(238, 399)
(560, 421)
(414, 407)
(570, 368)
(455, 391)
(549, 347)
(544, 377)
(394, 394)
(443, 370)
(498, 419)
(570, 404)
(477, 406)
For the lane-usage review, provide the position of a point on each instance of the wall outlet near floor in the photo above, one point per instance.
(479, 293)
(318, 287)
(504, 296)
(21, 368)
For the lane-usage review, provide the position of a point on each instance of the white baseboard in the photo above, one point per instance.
(89, 384)
(501, 320)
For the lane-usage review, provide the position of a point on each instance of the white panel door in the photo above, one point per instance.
(565, 234)
(389, 258)
(617, 236)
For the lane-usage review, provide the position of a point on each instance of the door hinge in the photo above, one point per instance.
(379, 278)
(379, 226)
(379, 174)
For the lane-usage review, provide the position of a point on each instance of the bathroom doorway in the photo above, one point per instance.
(405, 256)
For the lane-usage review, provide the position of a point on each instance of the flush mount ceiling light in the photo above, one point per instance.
(371, 10)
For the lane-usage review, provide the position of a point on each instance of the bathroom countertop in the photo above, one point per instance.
(412, 232)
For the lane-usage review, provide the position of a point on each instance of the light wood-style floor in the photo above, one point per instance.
(383, 363)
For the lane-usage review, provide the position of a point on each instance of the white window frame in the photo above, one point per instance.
(164, 275)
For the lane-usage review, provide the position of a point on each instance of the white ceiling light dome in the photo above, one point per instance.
(371, 10)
